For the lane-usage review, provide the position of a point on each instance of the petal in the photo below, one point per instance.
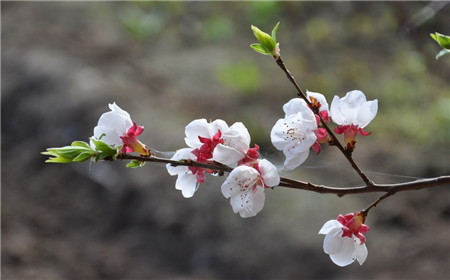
(361, 253)
(248, 203)
(294, 106)
(187, 183)
(185, 153)
(328, 226)
(237, 179)
(269, 173)
(296, 155)
(113, 107)
(216, 126)
(335, 112)
(246, 197)
(320, 97)
(195, 129)
(278, 135)
(241, 130)
(108, 135)
(367, 113)
(226, 155)
(237, 137)
(333, 241)
(347, 255)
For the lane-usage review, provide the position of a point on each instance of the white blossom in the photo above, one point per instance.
(295, 133)
(245, 187)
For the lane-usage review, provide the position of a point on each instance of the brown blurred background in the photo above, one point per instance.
(168, 63)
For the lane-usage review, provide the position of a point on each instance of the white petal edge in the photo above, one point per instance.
(329, 225)
(269, 173)
(347, 255)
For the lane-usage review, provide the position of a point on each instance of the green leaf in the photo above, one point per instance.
(264, 39)
(81, 144)
(442, 52)
(78, 151)
(83, 157)
(135, 163)
(260, 48)
(104, 150)
(267, 43)
(443, 40)
(274, 32)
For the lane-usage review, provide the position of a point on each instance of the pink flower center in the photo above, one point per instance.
(204, 153)
(354, 225)
(251, 156)
(131, 143)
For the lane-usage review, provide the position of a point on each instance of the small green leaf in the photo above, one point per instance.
(443, 40)
(264, 39)
(81, 144)
(274, 32)
(104, 150)
(442, 52)
(83, 157)
(135, 163)
(78, 151)
(260, 48)
(267, 43)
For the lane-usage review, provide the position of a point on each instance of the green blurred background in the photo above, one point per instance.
(168, 63)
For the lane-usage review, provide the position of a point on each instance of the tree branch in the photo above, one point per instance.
(295, 184)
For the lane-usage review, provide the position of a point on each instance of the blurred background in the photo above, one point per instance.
(168, 63)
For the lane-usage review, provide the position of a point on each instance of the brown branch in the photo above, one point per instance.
(295, 184)
(334, 139)
(388, 188)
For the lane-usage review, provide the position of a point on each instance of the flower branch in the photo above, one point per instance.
(334, 141)
(295, 184)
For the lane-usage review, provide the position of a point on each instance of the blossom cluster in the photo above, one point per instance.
(215, 144)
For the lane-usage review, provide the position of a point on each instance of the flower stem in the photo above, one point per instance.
(375, 203)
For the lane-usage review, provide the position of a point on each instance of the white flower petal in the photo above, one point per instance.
(241, 131)
(233, 139)
(336, 115)
(367, 113)
(194, 129)
(227, 155)
(269, 173)
(294, 106)
(119, 110)
(113, 124)
(237, 178)
(108, 135)
(249, 203)
(216, 126)
(244, 188)
(187, 183)
(329, 225)
(361, 253)
(185, 153)
(320, 97)
(333, 242)
(353, 108)
(347, 254)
